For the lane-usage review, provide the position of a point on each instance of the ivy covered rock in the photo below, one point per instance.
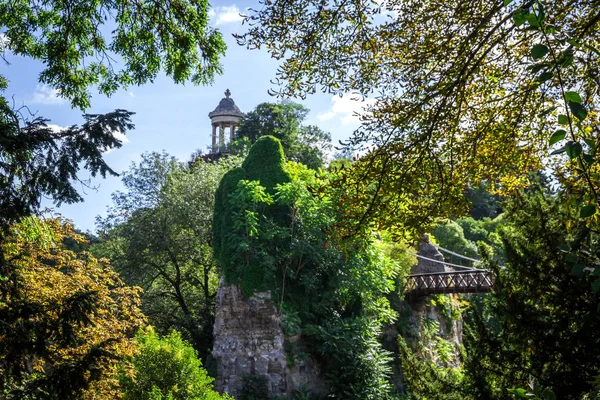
(266, 163)
(245, 197)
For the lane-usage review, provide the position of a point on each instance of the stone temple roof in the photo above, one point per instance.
(226, 107)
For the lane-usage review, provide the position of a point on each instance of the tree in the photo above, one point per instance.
(272, 232)
(146, 38)
(37, 160)
(450, 235)
(158, 236)
(483, 203)
(544, 305)
(305, 144)
(470, 92)
(69, 37)
(67, 318)
(166, 369)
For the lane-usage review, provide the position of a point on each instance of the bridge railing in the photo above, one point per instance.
(470, 281)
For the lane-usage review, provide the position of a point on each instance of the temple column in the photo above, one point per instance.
(232, 132)
(221, 136)
(214, 138)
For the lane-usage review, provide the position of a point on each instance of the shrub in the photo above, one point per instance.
(166, 369)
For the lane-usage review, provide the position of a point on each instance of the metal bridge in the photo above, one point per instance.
(465, 280)
(469, 281)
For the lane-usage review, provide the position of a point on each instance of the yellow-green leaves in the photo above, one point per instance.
(454, 106)
(67, 317)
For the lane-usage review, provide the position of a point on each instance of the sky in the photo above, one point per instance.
(170, 117)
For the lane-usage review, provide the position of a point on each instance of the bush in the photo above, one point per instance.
(166, 369)
(355, 364)
(67, 318)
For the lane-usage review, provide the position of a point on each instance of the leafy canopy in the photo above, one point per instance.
(542, 321)
(307, 144)
(37, 160)
(468, 92)
(250, 187)
(82, 43)
(271, 225)
(158, 234)
(166, 368)
(67, 318)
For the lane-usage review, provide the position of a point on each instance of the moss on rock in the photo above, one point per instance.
(265, 163)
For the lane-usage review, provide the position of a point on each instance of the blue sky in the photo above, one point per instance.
(171, 117)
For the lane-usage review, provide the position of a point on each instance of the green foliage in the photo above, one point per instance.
(222, 217)
(266, 163)
(339, 164)
(240, 146)
(67, 318)
(244, 198)
(427, 381)
(456, 108)
(451, 236)
(280, 120)
(37, 160)
(354, 362)
(483, 203)
(166, 369)
(544, 301)
(70, 38)
(158, 235)
(450, 309)
(464, 235)
(536, 392)
(331, 293)
(305, 144)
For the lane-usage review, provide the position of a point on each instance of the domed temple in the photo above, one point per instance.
(226, 116)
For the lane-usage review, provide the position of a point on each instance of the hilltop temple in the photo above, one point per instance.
(226, 116)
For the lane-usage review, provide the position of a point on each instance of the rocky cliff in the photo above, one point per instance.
(249, 342)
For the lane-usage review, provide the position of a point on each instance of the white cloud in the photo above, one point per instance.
(44, 94)
(4, 42)
(131, 94)
(118, 135)
(121, 137)
(225, 15)
(347, 108)
(56, 128)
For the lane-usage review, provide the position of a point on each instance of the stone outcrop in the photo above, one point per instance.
(428, 250)
(416, 313)
(422, 308)
(248, 341)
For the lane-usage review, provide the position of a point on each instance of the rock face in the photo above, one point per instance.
(428, 250)
(419, 314)
(423, 310)
(248, 341)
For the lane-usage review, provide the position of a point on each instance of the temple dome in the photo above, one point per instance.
(226, 107)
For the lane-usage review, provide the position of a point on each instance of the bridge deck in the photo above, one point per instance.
(471, 281)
